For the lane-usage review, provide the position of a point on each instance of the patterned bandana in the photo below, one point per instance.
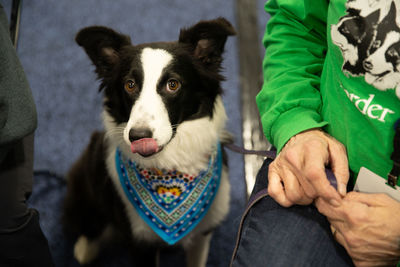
(170, 202)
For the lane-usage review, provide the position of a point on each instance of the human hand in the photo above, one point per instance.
(367, 226)
(297, 175)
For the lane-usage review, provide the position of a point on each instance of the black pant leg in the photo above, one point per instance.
(22, 242)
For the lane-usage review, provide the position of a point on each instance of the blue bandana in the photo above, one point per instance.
(170, 202)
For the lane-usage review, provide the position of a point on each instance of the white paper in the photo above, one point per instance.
(369, 182)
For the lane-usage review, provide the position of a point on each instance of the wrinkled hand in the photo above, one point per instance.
(297, 175)
(367, 226)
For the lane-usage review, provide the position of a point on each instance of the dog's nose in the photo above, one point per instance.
(139, 133)
(367, 65)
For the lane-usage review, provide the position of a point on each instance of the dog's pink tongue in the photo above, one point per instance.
(144, 146)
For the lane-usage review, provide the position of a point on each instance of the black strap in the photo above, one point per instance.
(269, 154)
(272, 155)
(395, 172)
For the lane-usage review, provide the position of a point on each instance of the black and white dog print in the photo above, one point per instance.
(369, 39)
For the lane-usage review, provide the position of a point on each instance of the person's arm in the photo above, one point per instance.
(295, 43)
(290, 105)
(17, 108)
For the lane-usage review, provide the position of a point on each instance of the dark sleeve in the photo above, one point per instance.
(17, 108)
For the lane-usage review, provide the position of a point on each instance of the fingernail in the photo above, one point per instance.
(342, 189)
(334, 203)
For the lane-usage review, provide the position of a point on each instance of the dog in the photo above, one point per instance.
(383, 62)
(157, 175)
(369, 39)
(353, 35)
(365, 8)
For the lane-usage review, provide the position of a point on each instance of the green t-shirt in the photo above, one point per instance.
(336, 65)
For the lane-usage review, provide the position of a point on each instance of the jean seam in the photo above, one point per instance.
(247, 212)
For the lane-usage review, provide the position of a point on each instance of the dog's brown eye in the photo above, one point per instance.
(130, 86)
(173, 85)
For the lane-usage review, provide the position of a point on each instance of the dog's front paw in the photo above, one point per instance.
(85, 251)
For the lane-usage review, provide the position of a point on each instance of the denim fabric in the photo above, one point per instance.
(272, 235)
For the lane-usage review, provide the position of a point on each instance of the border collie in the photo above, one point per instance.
(369, 39)
(383, 63)
(353, 35)
(157, 176)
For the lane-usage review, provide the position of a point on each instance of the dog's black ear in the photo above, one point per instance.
(102, 46)
(392, 12)
(207, 40)
(373, 18)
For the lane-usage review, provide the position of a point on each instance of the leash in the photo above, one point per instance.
(271, 154)
(241, 150)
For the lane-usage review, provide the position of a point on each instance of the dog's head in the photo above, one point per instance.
(151, 89)
(353, 35)
(382, 64)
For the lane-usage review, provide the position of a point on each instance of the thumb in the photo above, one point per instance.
(379, 199)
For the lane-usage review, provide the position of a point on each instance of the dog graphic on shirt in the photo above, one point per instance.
(369, 39)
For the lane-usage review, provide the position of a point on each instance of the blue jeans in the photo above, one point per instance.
(271, 235)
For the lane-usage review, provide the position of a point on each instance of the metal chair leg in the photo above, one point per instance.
(15, 20)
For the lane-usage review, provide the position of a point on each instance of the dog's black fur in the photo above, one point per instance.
(359, 32)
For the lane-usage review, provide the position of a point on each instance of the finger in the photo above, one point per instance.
(314, 171)
(338, 236)
(333, 230)
(296, 161)
(339, 165)
(317, 177)
(370, 199)
(308, 189)
(293, 190)
(331, 212)
(276, 189)
(308, 153)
